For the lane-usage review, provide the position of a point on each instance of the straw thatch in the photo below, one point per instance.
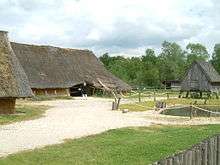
(201, 76)
(13, 80)
(53, 67)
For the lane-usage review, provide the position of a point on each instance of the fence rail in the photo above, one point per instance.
(205, 153)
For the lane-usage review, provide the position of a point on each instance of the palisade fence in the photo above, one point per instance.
(205, 153)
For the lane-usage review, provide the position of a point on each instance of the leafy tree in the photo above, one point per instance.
(105, 59)
(216, 57)
(171, 61)
(151, 69)
(196, 52)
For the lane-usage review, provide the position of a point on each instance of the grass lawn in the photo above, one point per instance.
(23, 112)
(147, 93)
(127, 146)
(142, 106)
(149, 105)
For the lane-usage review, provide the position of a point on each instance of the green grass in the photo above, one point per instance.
(188, 101)
(127, 146)
(23, 112)
(150, 93)
(149, 105)
(48, 98)
(142, 106)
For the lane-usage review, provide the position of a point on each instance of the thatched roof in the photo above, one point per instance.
(54, 67)
(13, 80)
(209, 70)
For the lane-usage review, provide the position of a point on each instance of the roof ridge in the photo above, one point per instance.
(52, 46)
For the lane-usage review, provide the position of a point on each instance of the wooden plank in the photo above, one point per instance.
(176, 160)
(198, 157)
(210, 152)
(169, 161)
(193, 156)
(181, 159)
(214, 150)
(163, 162)
(205, 153)
(189, 158)
(218, 149)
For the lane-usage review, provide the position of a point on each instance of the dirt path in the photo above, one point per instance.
(67, 119)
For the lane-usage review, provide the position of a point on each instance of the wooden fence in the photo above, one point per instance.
(205, 153)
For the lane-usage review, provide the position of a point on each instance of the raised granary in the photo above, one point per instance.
(13, 80)
(61, 71)
(201, 77)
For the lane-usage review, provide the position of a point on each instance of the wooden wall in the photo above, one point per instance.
(204, 153)
(52, 91)
(195, 80)
(7, 106)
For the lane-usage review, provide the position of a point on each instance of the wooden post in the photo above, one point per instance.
(168, 96)
(200, 94)
(187, 94)
(205, 102)
(113, 105)
(93, 91)
(216, 94)
(117, 106)
(218, 149)
(180, 94)
(191, 111)
(139, 96)
(154, 96)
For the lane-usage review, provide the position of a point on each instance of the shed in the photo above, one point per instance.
(172, 84)
(13, 80)
(60, 71)
(201, 77)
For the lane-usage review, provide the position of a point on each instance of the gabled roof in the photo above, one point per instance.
(209, 70)
(54, 67)
(13, 80)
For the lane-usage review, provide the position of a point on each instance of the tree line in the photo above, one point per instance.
(150, 69)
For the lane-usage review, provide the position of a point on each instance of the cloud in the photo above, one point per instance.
(126, 26)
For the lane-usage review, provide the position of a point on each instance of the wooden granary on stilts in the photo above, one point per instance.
(201, 78)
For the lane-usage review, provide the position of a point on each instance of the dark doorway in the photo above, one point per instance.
(75, 90)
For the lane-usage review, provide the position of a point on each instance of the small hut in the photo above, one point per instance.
(61, 71)
(13, 80)
(201, 77)
(172, 84)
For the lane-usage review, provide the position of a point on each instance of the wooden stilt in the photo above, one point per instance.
(200, 94)
(187, 94)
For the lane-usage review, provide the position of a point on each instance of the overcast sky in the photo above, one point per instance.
(125, 27)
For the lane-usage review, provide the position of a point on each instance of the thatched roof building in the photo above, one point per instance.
(202, 77)
(49, 67)
(13, 80)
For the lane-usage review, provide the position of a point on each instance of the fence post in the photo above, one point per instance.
(168, 96)
(118, 103)
(154, 96)
(218, 149)
(139, 96)
(191, 111)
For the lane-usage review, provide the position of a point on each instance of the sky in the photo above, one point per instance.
(119, 27)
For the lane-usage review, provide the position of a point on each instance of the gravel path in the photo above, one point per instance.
(67, 119)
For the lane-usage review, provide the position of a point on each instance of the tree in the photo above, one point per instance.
(105, 59)
(171, 61)
(216, 57)
(150, 71)
(196, 52)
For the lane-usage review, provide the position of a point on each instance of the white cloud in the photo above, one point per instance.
(125, 26)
